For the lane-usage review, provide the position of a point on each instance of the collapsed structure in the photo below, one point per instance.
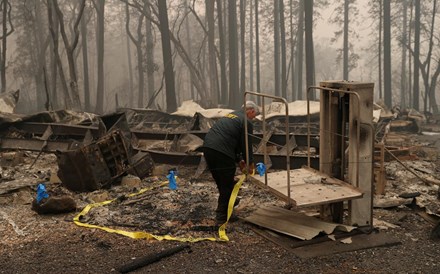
(336, 142)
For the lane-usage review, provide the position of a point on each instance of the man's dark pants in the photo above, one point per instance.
(223, 170)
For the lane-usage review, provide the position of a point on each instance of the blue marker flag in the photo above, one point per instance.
(172, 180)
(261, 169)
(41, 193)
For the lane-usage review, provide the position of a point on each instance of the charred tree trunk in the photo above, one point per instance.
(387, 53)
(138, 44)
(100, 6)
(149, 55)
(403, 80)
(223, 78)
(283, 51)
(310, 66)
(70, 48)
(257, 50)
(167, 57)
(416, 55)
(6, 20)
(300, 51)
(85, 59)
(242, 46)
(54, 34)
(276, 45)
(234, 95)
(213, 79)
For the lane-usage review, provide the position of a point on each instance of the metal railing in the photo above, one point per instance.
(283, 100)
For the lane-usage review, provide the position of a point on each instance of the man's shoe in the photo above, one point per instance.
(237, 201)
(233, 218)
(222, 219)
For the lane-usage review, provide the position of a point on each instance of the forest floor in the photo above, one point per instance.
(32, 243)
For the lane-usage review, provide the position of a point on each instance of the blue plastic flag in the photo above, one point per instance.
(261, 169)
(41, 193)
(172, 180)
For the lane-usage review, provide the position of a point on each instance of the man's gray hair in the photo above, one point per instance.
(251, 104)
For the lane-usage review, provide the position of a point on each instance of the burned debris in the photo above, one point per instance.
(101, 163)
(54, 205)
(117, 156)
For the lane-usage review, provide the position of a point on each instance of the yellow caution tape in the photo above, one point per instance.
(146, 235)
(222, 228)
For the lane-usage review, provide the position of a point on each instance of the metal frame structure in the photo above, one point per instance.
(283, 100)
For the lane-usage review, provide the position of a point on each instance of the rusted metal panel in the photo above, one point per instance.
(278, 139)
(294, 224)
(142, 165)
(57, 129)
(181, 158)
(100, 164)
(34, 145)
(162, 135)
(174, 158)
(83, 169)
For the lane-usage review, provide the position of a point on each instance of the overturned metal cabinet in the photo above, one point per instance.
(101, 163)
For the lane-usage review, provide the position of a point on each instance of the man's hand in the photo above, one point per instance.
(252, 169)
(247, 169)
(242, 165)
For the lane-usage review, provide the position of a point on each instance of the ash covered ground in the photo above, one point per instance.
(32, 243)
